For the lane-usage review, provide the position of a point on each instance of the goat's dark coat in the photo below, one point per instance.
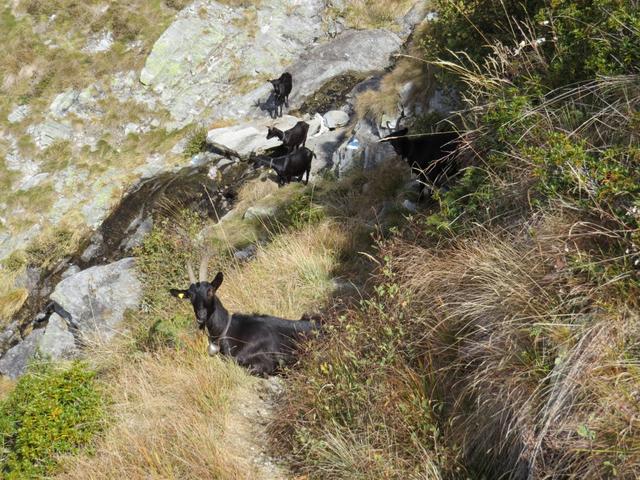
(294, 164)
(260, 343)
(282, 89)
(292, 139)
(425, 154)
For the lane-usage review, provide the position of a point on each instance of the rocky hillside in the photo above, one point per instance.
(485, 329)
(131, 115)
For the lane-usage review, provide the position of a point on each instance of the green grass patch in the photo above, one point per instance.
(52, 411)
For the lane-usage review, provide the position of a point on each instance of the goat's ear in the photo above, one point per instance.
(179, 293)
(216, 282)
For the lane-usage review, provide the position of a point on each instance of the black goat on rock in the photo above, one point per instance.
(261, 343)
(282, 89)
(294, 164)
(292, 139)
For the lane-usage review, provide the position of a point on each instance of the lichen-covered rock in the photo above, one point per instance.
(46, 133)
(351, 51)
(260, 212)
(18, 114)
(211, 52)
(98, 297)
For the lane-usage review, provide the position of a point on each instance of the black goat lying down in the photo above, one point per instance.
(294, 164)
(294, 138)
(426, 154)
(261, 343)
(282, 89)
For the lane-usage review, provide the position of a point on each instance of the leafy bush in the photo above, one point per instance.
(52, 411)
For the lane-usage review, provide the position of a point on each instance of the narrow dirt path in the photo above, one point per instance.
(252, 410)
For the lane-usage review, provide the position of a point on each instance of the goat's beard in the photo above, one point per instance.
(201, 325)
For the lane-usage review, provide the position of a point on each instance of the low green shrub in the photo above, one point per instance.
(52, 411)
(196, 142)
(301, 211)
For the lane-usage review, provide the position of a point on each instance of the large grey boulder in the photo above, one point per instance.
(211, 52)
(14, 363)
(57, 342)
(53, 342)
(361, 51)
(98, 297)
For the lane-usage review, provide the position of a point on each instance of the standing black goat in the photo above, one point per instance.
(426, 154)
(294, 164)
(260, 343)
(293, 138)
(282, 89)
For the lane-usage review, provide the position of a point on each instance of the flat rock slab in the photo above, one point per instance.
(249, 137)
(98, 297)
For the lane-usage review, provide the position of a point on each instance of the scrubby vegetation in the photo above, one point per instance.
(53, 410)
(503, 320)
(492, 335)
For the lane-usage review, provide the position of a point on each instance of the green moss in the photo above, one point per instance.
(52, 411)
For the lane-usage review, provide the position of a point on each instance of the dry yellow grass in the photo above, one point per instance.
(253, 191)
(364, 14)
(288, 276)
(168, 419)
(11, 302)
(532, 360)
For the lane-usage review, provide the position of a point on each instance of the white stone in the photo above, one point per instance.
(63, 103)
(19, 113)
(46, 133)
(100, 42)
(336, 118)
(131, 128)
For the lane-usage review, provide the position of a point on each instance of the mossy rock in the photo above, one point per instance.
(332, 94)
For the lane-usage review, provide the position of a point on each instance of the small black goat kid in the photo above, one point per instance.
(292, 139)
(261, 343)
(426, 154)
(294, 164)
(282, 89)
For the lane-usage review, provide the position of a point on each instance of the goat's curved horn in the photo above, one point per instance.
(204, 267)
(192, 277)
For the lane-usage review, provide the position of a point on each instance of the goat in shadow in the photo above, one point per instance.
(260, 343)
(282, 89)
(428, 155)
